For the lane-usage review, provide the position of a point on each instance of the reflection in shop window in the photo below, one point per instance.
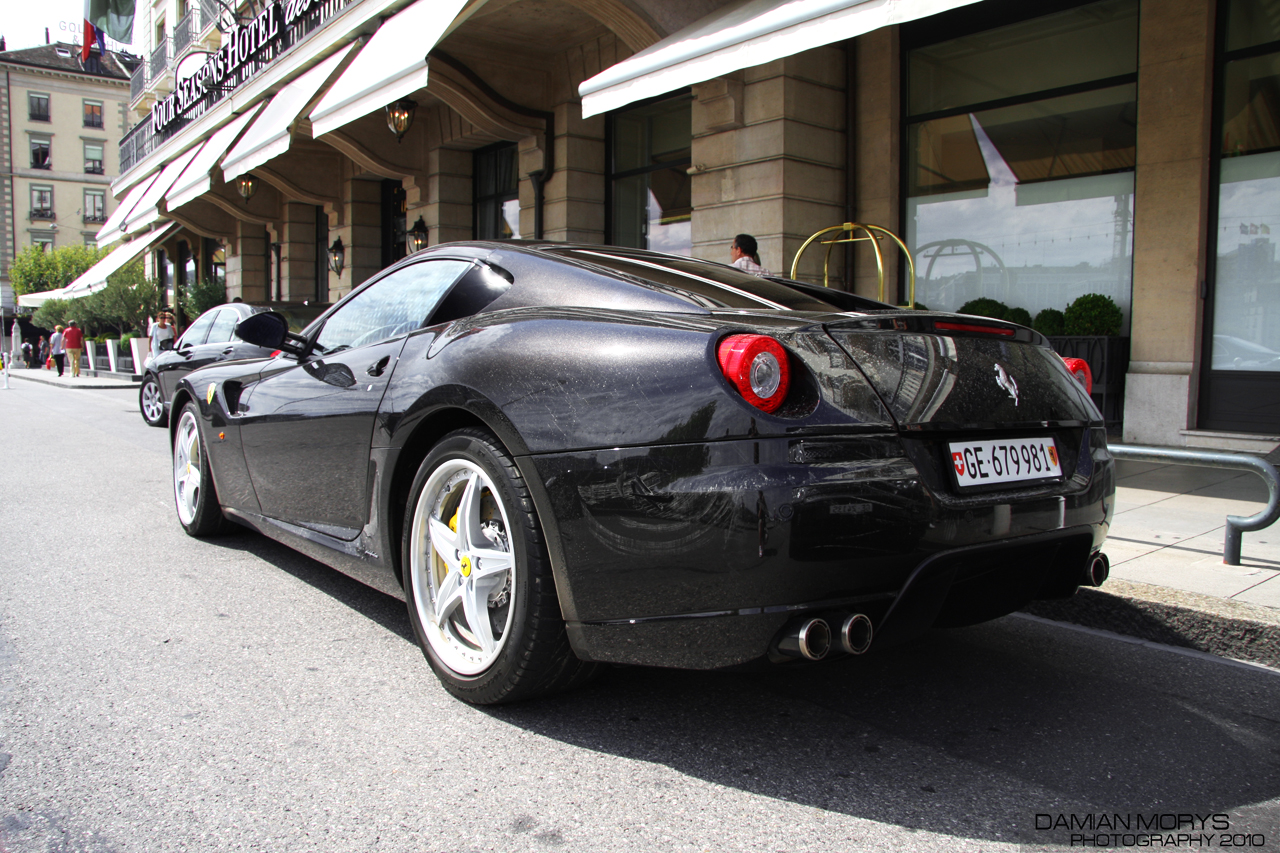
(1246, 302)
(651, 198)
(1025, 198)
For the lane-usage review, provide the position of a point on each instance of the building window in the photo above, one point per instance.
(42, 202)
(44, 240)
(37, 107)
(1021, 147)
(40, 153)
(93, 113)
(93, 158)
(496, 188)
(95, 206)
(651, 203)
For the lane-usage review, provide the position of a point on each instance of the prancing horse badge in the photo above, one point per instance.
(1007, 382)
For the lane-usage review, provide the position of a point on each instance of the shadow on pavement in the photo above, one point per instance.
(969, 733)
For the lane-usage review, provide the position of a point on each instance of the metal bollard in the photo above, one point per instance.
(1236, 524)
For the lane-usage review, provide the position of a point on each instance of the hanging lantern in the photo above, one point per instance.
(416, 239)
(400, 117)
(246, 185)
(337, 257)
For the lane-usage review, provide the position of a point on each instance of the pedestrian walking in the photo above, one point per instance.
(161, 330)
(73, 340)
(746, 257)
(28, 356)
(44, 351)
(57, 349)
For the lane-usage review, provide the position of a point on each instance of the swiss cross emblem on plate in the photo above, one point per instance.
(958, 459)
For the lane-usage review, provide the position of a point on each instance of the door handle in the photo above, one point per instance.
(378, 366)
(228, 351)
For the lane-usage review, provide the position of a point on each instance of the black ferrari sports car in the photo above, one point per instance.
(561, 455)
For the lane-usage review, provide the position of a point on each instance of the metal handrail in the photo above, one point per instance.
(1236, 524)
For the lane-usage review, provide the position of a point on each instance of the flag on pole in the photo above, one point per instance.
(114, 17)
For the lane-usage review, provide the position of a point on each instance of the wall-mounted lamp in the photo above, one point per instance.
(416, 238)
(400, 117)
(246, 185)
(337, 257)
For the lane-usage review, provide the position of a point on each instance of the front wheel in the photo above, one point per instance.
(478, 581)
(193, 491)
(151, 402)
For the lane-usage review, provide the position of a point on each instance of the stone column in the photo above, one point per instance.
(1170, 226)
(573, 200)
(447, 210)
(298, 252)
(878, 123)
(361, 234)
(247, 263)
(768, 160)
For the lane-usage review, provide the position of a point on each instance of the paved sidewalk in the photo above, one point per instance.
(85, 380)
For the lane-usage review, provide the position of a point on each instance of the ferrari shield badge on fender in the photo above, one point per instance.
(1007, 382)
(208, 395)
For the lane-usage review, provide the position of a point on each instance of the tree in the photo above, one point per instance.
(199, 296)
(53, 313)
(34, 270)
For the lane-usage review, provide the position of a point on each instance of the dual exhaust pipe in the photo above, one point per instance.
(813, 638)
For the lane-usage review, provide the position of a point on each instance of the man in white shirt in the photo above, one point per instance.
(57, 350)
(744, 253)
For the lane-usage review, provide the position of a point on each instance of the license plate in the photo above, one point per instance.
(1004, 460)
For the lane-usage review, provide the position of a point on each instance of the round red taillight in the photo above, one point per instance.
(1080, 370)
(757, 367)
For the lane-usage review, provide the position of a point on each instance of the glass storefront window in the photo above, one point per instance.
(1246, 298)
(652, 202)
(1030, 200)
(497, 193)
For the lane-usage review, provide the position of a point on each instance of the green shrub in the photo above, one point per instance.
(1093, 314)
(1021, 316)
(1049, 322)
(920, 306)
(984, 307)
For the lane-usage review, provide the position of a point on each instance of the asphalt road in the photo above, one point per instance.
(161, 693)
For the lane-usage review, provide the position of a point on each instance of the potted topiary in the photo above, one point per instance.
(984, 307)
(1091, 330)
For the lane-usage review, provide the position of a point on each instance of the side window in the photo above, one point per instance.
(195, 335)
(224, 326)
(393, 306)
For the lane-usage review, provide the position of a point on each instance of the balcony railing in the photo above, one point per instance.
(94, 218)
(41, 164)
(182, 33)
(209, 12)
(138, 82)
(43, 213)
(159, 59)
(93, 167)
(137, 144)
(38, 115)
(93, 120)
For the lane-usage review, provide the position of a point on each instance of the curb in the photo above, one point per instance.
(1190, 620)
(91, 383)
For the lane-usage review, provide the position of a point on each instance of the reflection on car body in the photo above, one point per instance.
(564, 455)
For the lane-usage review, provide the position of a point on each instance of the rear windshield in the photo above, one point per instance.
(703, 283)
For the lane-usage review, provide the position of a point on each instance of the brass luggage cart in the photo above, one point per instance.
(874, 234)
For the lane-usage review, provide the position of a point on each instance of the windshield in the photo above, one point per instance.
(706, 284)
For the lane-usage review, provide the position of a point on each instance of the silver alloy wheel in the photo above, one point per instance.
(152, 405)
(186, 468)
(464, 578)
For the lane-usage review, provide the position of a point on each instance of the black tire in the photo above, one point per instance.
(151, 402)
(529, 654)
(194, 495)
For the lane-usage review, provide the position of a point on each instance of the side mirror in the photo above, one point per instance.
(270, 330)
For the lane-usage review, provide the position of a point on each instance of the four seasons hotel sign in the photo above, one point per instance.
(246, 49)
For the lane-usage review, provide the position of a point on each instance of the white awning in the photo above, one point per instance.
(113, 228)
(268, 136)
(741, 35)
(197, 180)
(147, 209)
(392, 64)
(95, 278)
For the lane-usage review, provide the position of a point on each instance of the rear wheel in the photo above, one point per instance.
(478, 582)
(151, 402)
(193, 491)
